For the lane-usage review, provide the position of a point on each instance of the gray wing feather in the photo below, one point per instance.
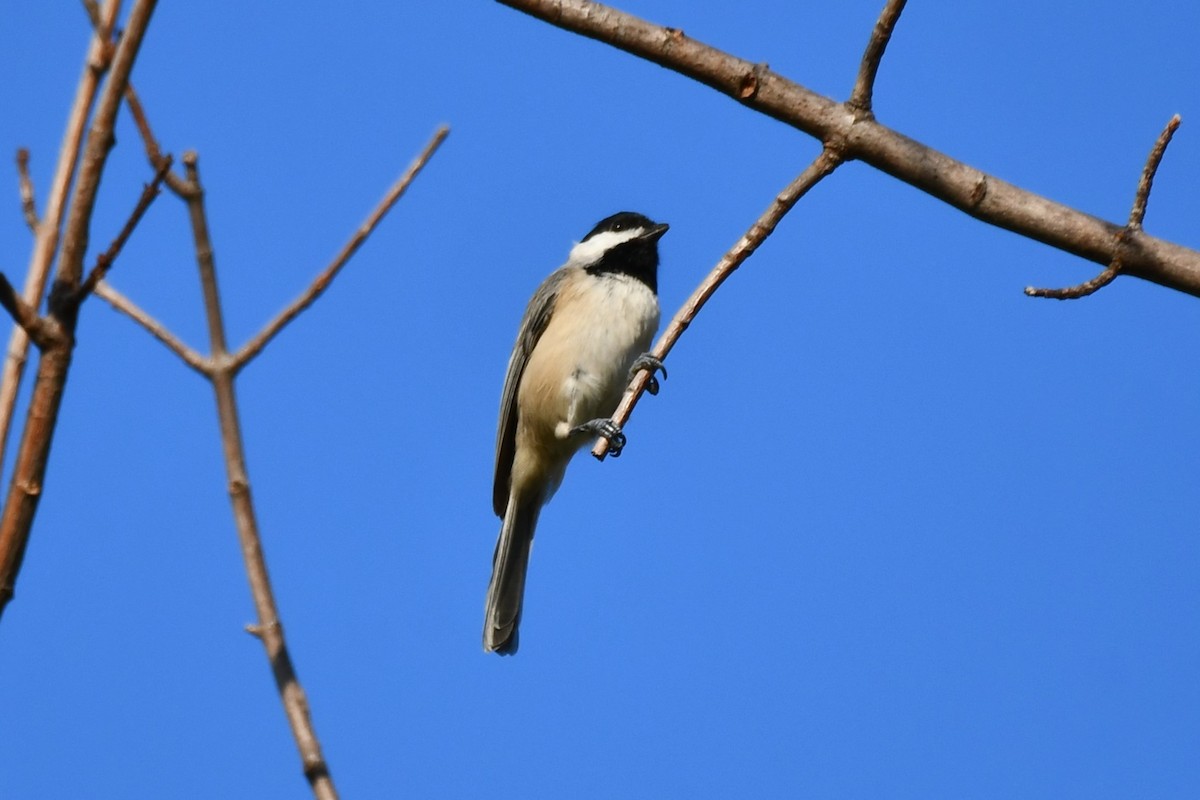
(533, 324)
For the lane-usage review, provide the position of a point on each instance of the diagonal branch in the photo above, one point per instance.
(28, 205)
(120, 302)
(105, 260)
(970, 190)
(255, 346)
(764, 226)
(46, 245)
(177, 184)
(864, 84)
(1132, 229)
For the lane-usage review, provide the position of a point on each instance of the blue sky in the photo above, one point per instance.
(892, 529)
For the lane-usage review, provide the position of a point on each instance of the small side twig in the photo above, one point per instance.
(153, 152)
(322, 281)
(1137, 216)
(28, 206)
(864, 85)
(105, 260)
(764, 226)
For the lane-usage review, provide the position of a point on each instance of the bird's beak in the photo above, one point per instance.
(655, 233)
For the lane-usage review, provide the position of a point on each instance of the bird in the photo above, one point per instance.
(585, 332)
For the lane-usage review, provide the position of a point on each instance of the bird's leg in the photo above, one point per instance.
(605, 428)
(651, 363)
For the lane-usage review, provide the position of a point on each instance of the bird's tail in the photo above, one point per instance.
(507, 589)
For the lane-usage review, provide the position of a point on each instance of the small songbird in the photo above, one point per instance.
(585, 332)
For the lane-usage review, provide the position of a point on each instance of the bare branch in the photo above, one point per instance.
(105, 260)
(268, 628)
(864, 85)
(46, 245)
(177, 184)
(28, 206)
(1132, 229)
(764, 226)
(976, 193)
(123, 304)
(322, 281)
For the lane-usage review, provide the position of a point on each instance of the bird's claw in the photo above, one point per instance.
(607, 429)
(650, 363)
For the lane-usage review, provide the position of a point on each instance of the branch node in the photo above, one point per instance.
(259, 630)
(1125, 236)
(748, 87)
(979, 192)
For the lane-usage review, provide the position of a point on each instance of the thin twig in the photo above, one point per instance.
(153, 152)
(1132, 229)
(120, 302)
(105, 260)
(46, 245)
(322, 281)
(1137, 214)
(28, 206)
(268, 627)
(864, 84)
(764, 226)
(970, 190)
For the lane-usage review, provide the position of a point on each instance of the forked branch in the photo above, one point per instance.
(221, 369)
(1131, 231)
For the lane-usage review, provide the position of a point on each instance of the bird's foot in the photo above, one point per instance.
(607, 429)
(651, 363)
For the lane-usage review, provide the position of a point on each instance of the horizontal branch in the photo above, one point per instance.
(983, 196)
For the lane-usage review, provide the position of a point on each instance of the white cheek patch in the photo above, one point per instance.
(590, 252)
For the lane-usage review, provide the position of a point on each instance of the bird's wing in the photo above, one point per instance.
(537, 316)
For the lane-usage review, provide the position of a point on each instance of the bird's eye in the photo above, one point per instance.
(618, 226)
